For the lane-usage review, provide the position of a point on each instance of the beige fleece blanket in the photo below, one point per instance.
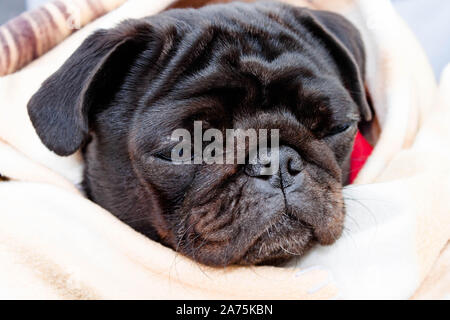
(54, 243)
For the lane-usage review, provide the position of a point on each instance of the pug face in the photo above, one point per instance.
(122, 94)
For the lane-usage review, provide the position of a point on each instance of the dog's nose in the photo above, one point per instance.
(290, 165)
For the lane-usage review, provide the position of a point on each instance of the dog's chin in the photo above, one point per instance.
(279, 242)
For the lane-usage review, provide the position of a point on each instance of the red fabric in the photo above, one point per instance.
(361, 151)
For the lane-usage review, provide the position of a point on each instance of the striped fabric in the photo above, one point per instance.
(35, 32)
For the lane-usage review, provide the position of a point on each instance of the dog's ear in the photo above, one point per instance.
(60, 109)
(344, 42)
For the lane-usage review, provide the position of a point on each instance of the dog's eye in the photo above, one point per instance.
(167, 155)
(339, 129)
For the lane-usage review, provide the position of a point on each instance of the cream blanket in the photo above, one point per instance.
(54, 243)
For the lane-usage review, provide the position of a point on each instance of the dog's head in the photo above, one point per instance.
(120, 96)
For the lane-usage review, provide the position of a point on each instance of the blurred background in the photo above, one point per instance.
(429, 19)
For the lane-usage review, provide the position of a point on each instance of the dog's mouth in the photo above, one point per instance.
(248, 227)
(289, 237)
(285, 238)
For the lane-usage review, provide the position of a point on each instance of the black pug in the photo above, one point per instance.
(262, 65)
